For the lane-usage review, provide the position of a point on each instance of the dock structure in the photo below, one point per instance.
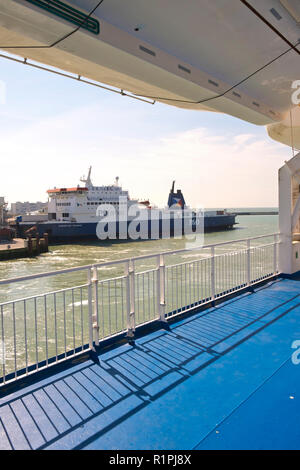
(23, 248)
(2, 210)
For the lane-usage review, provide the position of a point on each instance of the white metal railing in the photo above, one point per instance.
(49, 327)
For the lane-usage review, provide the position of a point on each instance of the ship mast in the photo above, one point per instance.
(87, 181)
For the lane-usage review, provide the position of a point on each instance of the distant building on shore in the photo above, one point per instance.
(21, 208)
(2, 210)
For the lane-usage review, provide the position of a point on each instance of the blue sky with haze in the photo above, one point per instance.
(53, 128)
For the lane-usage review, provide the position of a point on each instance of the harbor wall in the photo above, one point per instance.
(24, 248)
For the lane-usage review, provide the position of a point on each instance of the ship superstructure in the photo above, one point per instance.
(80, 204)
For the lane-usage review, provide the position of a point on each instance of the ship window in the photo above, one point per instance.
(65, 214)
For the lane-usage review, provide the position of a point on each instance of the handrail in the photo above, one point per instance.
(127, 260)
(63, 323)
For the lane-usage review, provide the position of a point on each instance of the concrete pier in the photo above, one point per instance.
(20, 248)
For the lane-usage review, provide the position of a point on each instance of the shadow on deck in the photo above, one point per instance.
(174, 389)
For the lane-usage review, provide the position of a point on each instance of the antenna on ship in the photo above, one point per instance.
(87, 181)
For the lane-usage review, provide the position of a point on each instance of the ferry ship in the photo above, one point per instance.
(81, 212)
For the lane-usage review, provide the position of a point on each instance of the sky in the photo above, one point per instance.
(53, 128)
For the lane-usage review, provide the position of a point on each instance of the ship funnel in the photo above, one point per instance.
(176, 199)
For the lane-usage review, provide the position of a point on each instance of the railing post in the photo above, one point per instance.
(212, 274)
(130, 298)
(248, 263)
(96, 305)
(90, 309)
(275, 253)
(161, 287)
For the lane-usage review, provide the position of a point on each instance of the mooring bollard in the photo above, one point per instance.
(29, 245)
(46, 238)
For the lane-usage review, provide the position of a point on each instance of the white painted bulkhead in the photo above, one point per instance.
(289, 216)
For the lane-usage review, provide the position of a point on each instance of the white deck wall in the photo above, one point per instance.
(289, 213)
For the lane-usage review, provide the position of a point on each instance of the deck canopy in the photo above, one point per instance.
(232, 56)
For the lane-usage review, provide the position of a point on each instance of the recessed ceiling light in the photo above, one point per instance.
(276, 14)
(138, 27)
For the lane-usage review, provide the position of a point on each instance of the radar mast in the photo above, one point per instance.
(87, 181)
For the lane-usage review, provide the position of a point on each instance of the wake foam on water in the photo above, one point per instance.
(77, 304)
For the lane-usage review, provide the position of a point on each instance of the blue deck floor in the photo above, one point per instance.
(221, 379)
